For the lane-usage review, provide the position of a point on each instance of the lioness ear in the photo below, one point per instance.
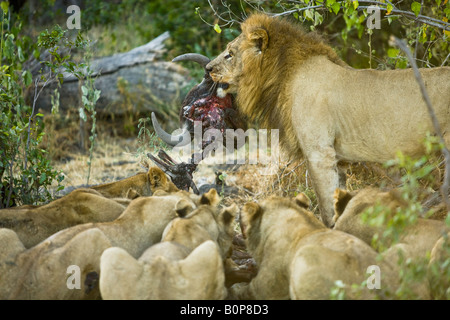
(229, 213)
(211, 197)
(250, 211)
(302, 200)
(260, 38)
(341, 199)
(157, 177)
(183, 208)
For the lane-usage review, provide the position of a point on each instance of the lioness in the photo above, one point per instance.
(416, 242)
(298, 257)
(292, 81)
(34, 224)
(54, 269)
(141, 224)
(139, 185)
(166, 271)
(98, 204)
(207, 222)
(138, 227)
(157, 275)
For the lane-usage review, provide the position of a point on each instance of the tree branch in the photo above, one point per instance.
(383, 6)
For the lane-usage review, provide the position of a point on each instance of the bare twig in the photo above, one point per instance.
(445, 60)
(446, 185)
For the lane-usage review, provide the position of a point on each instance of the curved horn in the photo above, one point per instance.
(196, 57)
(180, 140)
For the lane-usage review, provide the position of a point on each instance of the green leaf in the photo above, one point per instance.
(336, 7)
(82, 114)
(318, 19)
(389, 8)
(27, 78)
(393, 52)
(217, 28)
(84, 90)
(96, 95)
(20, 54)
(43, 178)
(415, 7)
(4, 6)
(309, 14)
(36, 54)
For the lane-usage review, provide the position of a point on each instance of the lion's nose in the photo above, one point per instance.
(208, 68)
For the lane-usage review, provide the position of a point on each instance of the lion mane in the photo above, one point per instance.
(270, 74)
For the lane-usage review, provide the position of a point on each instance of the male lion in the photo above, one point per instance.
(298, 257)
(292, 81)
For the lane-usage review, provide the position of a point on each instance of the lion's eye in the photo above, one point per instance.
(229, 56)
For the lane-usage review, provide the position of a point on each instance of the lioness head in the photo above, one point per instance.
(349, 206)
(255, 218)
(206, 222)
(159, 181)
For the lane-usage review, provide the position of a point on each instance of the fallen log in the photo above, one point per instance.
(138, 78)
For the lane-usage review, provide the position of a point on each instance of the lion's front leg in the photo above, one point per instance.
(322, 166)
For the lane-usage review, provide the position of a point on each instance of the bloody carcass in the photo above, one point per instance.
(201, 106)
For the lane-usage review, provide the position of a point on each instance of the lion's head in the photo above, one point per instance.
(227, 68)
(259, 65)
(256, 218)
(194, 226)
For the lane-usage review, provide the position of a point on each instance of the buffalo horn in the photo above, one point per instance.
(200, 59)
(179, 140)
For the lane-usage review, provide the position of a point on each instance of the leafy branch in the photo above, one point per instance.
(387, 7)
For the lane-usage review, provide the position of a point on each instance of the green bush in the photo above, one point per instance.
(26, 172)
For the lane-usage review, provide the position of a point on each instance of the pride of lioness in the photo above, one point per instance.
(292, 81)
(182, 266)
(298, 257)
(41, 271)
(100, 203)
